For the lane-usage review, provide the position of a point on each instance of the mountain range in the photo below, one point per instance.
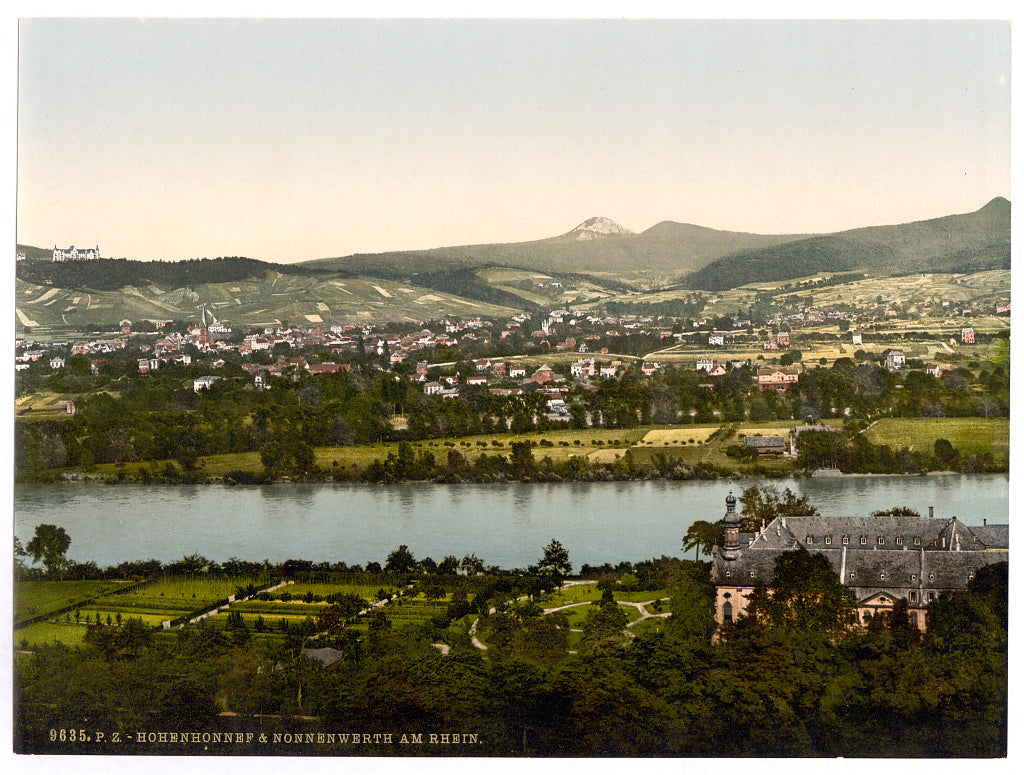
(596, 260)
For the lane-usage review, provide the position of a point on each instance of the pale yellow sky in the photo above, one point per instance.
(293, 140)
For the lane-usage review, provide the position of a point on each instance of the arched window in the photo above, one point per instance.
(727, 613)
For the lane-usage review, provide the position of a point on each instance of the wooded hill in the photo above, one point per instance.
(956, 243)
(111, 274)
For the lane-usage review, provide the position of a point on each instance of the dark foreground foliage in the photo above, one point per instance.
(786, 688)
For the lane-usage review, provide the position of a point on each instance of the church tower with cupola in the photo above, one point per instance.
(731, 529)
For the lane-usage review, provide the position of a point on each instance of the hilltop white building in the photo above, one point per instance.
(75, 254)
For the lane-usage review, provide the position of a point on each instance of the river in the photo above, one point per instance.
(503, 524)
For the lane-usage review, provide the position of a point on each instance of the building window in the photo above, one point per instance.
(728, 573)
(846, 539)
(853, 576)
(727, 613)
(899, 540)
(913, 596)
(917, 540)
(931, 577)
(751, 574)
(810, 539)
(828, 539)
(881, 540)
(881, 576)
(913, 577)
(931, 596)
(863, 539)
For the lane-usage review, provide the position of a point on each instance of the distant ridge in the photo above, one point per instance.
(970, 242)
(598, 245)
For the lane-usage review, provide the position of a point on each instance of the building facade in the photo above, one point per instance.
(880, 559)
(75, 254)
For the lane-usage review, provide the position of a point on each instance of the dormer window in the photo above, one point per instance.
(863, 540)
(917, 540)
(881, 540)
(931, 577)
(828, 539)
(846, 540)
(881, 576)
(751, 574)
(728, 573)
(913, 577)
(853, 576)
(810, 540)
(899, 540)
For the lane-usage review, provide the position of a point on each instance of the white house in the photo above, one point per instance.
(203, 383)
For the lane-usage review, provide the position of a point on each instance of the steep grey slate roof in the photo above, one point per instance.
(993, 536)
(951, 570)
(896, 533)
(764, 441)
(872, 567)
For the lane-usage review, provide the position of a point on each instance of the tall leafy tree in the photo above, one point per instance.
(400, 561)
(763, 503)
(702, 536)
(50, 544)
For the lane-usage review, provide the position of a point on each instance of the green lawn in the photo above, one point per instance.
(189, 593)
(649, 626)
(643, 597)
(44, 632)
(577, 593)
(38, 598)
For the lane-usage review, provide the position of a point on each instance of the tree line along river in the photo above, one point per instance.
(503, 524)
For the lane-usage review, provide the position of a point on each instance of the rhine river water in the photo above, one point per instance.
(503, 524)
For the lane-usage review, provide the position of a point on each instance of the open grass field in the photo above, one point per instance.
(43, 405)
(43, 633)
(279, 608)
(563, 444)
(38, 598)
(689, 434)
(367, 591)
(970, 435)
(194, 593)
(151, 619)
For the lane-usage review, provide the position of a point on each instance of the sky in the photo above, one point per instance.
(289, 140)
